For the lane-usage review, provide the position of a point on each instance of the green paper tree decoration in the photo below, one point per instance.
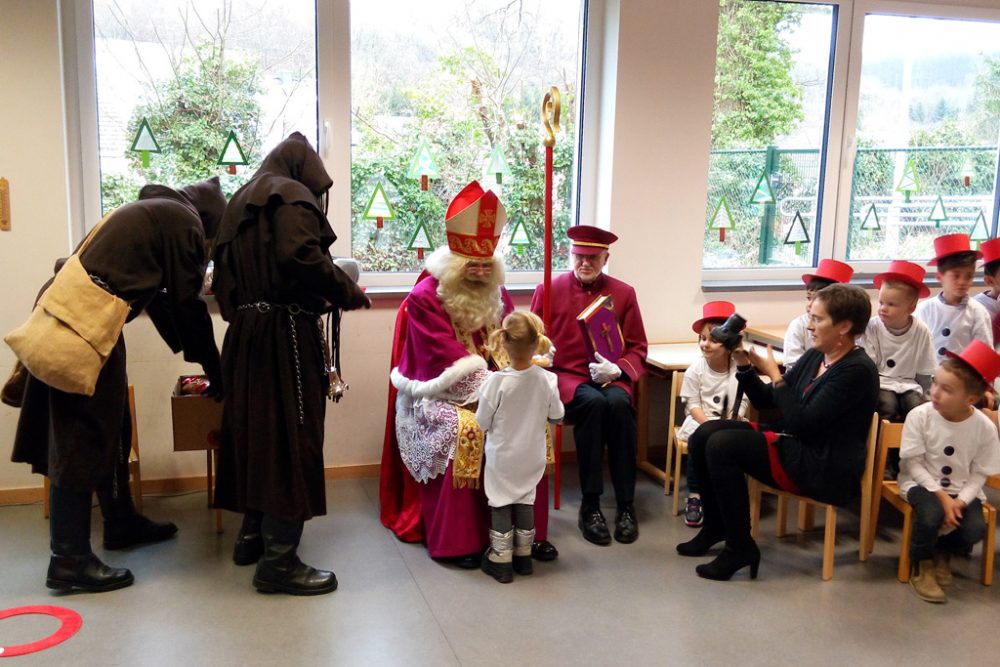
(871, 221)
(420, 240)
(144, 142)
(232, 153)
(968, 171)
(762, 192)
(423, 166)
(498, 165)
(908, 183)
(938, 212)
(980, 232)
(797, 233)
(519, 237)
(722, 218)
(379, 208)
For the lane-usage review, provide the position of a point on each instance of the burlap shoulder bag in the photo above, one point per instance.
(72, 329)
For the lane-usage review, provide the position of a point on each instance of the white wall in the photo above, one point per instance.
(653, 184)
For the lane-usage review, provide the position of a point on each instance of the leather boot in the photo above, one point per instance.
(498, 559)
(522, 550)
(249, 546)
(279, 568)
(83, 572)
(924, 583)
(942, 568)
(134, 530)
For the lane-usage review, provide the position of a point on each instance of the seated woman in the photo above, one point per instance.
(816, 448)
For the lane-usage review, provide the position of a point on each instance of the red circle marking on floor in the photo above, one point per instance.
(69, 620)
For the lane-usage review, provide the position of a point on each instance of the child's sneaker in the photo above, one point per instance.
(693, 515)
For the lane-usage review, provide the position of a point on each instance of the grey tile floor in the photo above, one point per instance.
(612, 605)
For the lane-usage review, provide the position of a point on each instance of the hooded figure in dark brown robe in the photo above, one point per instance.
(152, 253)
(273, 278)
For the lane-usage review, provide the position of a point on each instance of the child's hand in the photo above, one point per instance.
(991, 399)
(953, 509)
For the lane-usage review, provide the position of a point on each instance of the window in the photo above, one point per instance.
(766, 169)
(456, 86)
(179, 81)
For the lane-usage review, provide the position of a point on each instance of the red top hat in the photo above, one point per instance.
(990, 250)
(588, 240)
(981, 358)
(830, 269)
(951, 244)
(474, 221)
(713, 311)
(905, 272)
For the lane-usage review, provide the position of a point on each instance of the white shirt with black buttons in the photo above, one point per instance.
(899, 359)
(954, 327)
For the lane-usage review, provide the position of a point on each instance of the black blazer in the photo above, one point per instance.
(824, 421)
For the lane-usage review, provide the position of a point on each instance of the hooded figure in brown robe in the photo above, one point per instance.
(151, 253)
(273, 278)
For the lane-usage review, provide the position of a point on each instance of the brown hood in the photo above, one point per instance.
(205, 197)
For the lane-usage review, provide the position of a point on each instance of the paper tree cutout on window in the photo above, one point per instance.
(797, 233)
(908, 183)
(420, 241)
(722, 219)
(497, 165)
(519, 237)
(938, 212)
(423, 166)
(980, 232)
(871, 221)
(762, 193)
(968, 172)
(144, 142)
(232, 153)
(379, 208)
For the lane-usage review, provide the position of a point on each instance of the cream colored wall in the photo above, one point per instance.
(653, 185)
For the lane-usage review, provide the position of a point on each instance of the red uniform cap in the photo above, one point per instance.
(713, 311)
(905, 272)
(951, 244)
(830, 269)
(588, 240)
(990, 250)
(981, 358)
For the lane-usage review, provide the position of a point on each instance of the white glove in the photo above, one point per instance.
(604, 371)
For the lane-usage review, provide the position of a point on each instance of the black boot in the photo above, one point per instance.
(729, 562)
(73, 566)
(700, 544)
(249, 545)
(280, 569)
(123, 526)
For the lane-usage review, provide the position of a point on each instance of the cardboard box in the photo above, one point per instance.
(197, 421)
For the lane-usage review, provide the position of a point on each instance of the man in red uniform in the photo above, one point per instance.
(598, 392)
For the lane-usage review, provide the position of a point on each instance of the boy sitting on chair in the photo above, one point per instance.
(947, 451)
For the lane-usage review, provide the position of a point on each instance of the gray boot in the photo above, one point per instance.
(498, 557)
(523, 540)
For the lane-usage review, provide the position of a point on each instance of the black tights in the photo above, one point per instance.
(722, 452)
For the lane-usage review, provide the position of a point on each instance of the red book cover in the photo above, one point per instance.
(601, 330)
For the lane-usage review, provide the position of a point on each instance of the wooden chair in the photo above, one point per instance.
(756, 488)
(890, 437)
(675, 448)
(134, 471)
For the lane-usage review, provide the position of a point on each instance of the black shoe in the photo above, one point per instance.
(593, 526)
(248, 549)
(729, 562)
(701, 543)
(136, 529)
(85, 573)
(544, 551)
(626, 527)
(290, 575)
(469, 562)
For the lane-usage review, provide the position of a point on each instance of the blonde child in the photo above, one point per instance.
(797, 338)
(708, 392)
(948, 450)
(514, 406)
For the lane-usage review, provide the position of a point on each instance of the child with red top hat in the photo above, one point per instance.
(709, 392)
(954, 319)
(900, 345)
(948, 450)
(797, 338)
(991, 276)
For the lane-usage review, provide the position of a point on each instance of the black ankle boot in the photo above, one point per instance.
(249, 546)
(85, 572)
(729, 562)
(701, 543)
(135, 529)
(280, 569)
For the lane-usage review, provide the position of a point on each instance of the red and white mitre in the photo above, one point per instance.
(474, 221)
